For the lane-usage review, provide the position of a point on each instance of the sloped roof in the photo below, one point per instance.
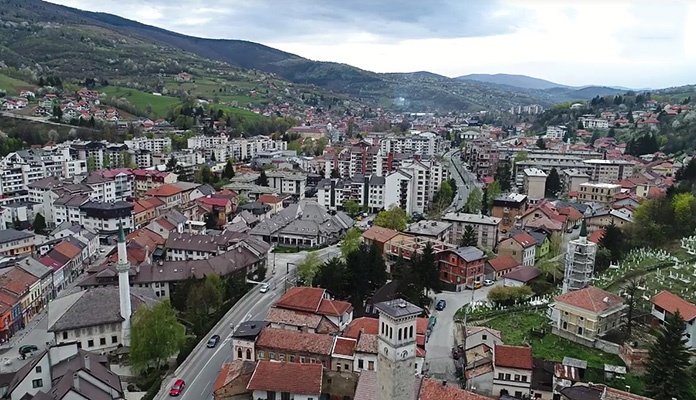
(295, 378)
(295, 341)
(519, 357)
(590, 298)
(302, 299)
(672, 303)
(502, 263)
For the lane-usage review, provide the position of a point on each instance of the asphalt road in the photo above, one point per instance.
(439, 346)
(466, 181)
(201, 368)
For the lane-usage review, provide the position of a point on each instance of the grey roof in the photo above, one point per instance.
(95, 178)
(376, 180)
(33, 267)
(428, 228)
(104, 205)
(469, 253)
(249, 329)
(78, 362)
(186, 185)
(523, 274)
(471, 218)
(206, 190)
(76, 241)
(92, 307)
(398, 308)
(240, 226)
(72, 200)
(10, 235)
(175, 217)
(301, 228)
(61, 227)
(574, 362)
(45, 183)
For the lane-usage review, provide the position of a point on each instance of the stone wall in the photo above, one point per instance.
(635, 359)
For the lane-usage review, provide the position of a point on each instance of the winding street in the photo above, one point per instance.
(202, 366)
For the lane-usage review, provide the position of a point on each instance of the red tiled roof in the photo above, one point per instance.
(379, 234)
(596, 236)
(214, 201)
(519, 357)
(302, 299)
(269, 199)
(17, 280)
(295, 378)
(334, 308)
(295, 341)
(502, 263)
(590, 298)
(525, 239)
(422, 326)
(164, 223)
(366, 324)
(434, 390)
(671, 303)
(67, 249)
(344, 346)
(163, 191)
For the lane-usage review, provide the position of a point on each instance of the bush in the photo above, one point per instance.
(188, 347)
(153, 390)
(507, 296)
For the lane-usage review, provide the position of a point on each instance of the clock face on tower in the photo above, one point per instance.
(404, 354)
(386, 351)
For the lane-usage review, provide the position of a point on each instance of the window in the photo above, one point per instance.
(284, 396)
(281, 357)
(248, 354)
(65, 335)
(260, 354)
(501, 375)
(271, 355)
(102, 341)
(517, 378)
(270, 395)
(507, 377)
(518, 394)
(371, 365)
(524, 378)
(361, 364)
(484, 337)
(90, 343)
(37, 383)
(347, 367)
(114, 339)
(292, 358)
(302, 359)
(239, 352)
(38, 369)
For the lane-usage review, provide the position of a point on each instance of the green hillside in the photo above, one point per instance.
(12, 85)
(157, 105)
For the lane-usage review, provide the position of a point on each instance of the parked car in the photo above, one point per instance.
(477, 285)
(27, 349)
(213, 341)
(264, 288)
(488, 282)
(177, 387)
(441, 305)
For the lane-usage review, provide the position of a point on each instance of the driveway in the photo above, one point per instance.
(439, 346)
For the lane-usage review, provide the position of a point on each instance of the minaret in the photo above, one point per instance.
(123, 267)
(396, 366)
(579, 262)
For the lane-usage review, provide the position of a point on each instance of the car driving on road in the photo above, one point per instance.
(177, 387)
(213, 341)
(441, 305)
(264, 288)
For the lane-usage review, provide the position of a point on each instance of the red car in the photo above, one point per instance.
(177, 388)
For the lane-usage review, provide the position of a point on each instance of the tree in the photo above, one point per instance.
(228, 172)
(503, 176)
(541, 144)
(484, 202)
(334, 276)
(57, 112)
(352, 207)
(469, 237)
(473, 202)
(335, 174)
(262, 180)
(614, 241)
(91, 164)
(629, 293)
(307, 269)
(39, 223)
(393, 218)
(210, 220)
(507, 296)
(242, 200)
(553, 184)
(667, 374)
(492, 192)
(203, 300)
(212, 157)
(351, 242)
(205, 175)
(521, 156)
(156, 335)
(171, 163)
(427, 269)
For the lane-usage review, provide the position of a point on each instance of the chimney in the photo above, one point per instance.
(76, 382)
(87, 364)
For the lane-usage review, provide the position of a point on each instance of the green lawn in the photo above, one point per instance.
(516, 327)
(160, 104)
(11, 85)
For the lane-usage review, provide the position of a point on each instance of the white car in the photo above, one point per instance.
(264, 288)
(488, 282)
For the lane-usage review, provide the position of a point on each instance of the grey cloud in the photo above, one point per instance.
(317, 20)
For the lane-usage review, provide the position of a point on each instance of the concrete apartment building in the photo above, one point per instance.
(485, 227)
(602, 193)
(508, 208)
(609, 170)
(572, 178)
(534, 183)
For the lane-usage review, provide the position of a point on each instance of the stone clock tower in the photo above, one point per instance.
(396, 357)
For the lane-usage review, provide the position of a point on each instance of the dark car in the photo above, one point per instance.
(441, 305)
(27, 349)
(213, 341)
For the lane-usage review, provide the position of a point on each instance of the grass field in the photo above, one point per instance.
(160, 104)
(10, 85)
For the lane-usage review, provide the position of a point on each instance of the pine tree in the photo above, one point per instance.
(229, 170)
(553, 184)
(667, 375)
(262, 180)
(171, 163)
(469, 237)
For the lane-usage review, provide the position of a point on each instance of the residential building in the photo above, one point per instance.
(512, 370)
(586, 314)
(65, 372)
(508, 209)
(609, 171)
(572, 178)
(311, 310)
(42, 291)
(600, 193)
(244, 339)
(579, 262)
(485, 228)
(170, 194)
(285, 346)
(155, 144)
(602, 218)
(499, 266)
(398, 189)
(425, 144)
(145, 180)
(16, 243)
(666, 303)
(24, 287)
(521, 276)
(437, 230)
(66, 208)
(103, 189)
(534, 183)
(104, 218)
(288, 182)
(591, 391)
(521, 247)
(298, 381)
(378, 236)
(461, 268)
(556, 132)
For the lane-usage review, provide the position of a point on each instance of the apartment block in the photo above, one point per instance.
(572, 178)
(485, 228)
(609, 171)
(157, 145)
(288, 182)
(556, 132)
(425, 144)
(602, 193)
(508, 209)
(534, 183)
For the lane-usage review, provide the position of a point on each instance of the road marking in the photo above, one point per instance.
(206, 388)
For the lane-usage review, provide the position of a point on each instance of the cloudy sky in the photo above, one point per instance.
(630, 43)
